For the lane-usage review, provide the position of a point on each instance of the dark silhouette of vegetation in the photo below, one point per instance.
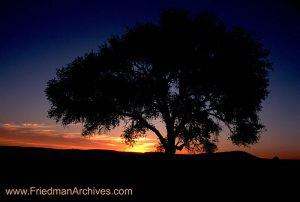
(189, 71)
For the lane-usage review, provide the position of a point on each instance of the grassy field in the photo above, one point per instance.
(228, 176)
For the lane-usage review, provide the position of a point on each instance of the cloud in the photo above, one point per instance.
(42, 135)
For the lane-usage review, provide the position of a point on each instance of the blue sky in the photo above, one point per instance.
(37, 37)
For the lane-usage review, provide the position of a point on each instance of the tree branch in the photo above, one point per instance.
(180, 147)
(147, 125)
(180, 125)
(222, 119)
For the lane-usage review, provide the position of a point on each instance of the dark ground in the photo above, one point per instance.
(230, 176)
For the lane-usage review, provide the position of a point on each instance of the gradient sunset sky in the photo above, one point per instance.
(37, 37)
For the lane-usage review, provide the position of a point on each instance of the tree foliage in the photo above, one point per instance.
(189, 71)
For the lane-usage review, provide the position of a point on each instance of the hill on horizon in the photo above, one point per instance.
(223, 176)
(35, 152)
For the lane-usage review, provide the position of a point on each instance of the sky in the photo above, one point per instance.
(38, 37)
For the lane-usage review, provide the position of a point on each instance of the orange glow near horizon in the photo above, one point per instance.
(139, 149)
(38, 135)
(125, 148)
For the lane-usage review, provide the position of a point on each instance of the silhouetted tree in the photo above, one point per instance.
(189, 71)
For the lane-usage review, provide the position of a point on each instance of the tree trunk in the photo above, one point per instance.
(170, 149)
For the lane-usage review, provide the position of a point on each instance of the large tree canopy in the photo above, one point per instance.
(189, 71)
